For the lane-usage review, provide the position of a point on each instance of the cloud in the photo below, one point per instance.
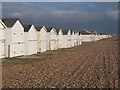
(113, 14)
(16, 14)
(0, 10)
(65, 15)
(61, 1)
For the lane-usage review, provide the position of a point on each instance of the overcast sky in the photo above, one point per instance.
(99, 16)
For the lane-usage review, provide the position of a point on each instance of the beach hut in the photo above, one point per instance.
(30, 39)
(2, 39)
(79, 39)
(59, 38)
(14, 35)
(86, 36)
(94, 36)
(69, 39)
(53, 38)
(65, 39)
(76, 38)
(109, 35)
(104, 35)
(100, 35)
(97, 37)
(41, 39)
(73, 38)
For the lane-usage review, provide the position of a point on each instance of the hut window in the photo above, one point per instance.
(21, 51)
(14, 52)
(14, 33)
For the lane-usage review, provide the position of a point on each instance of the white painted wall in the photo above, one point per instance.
(80, 39)
(76, 39)
(104, 36)
(2, 40)
(31, 41)
(65, 41)
(100, 36)
(97, 37)
(42, 40)
(14, 40)
(86, 38)
(53, 39)
(69, 39)
(73, 39)
(60, 39)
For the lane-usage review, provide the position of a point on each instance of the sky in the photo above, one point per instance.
(99, 16)
(0, 9)
(60, 0)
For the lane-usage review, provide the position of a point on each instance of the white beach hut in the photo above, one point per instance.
(14, 35)
(104, 35)
(86, 36)
(65, 39)
(100, 35)
(53, 38)
(30, 39)
(69, 39)
(41, 39)
(59, 38)
(94, 36)
(73, 38)
(2, 39)
(79, 39)
(76, 38)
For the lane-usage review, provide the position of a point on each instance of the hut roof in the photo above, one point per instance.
(27, 28)
(79, 32)
(49, 29)
(65, 32)
(38, 28)
(10, 22)
(72, 31)
(57, 30)
(76, 32)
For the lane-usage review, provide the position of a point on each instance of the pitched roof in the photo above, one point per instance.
(72, 32)
(27, 28)
(65, 32)
(49, 29)
(10, 22)
(76, 32)
(57, 30)
(38, 28)
(2, 24)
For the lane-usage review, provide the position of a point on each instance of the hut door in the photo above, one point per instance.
(8, 51)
